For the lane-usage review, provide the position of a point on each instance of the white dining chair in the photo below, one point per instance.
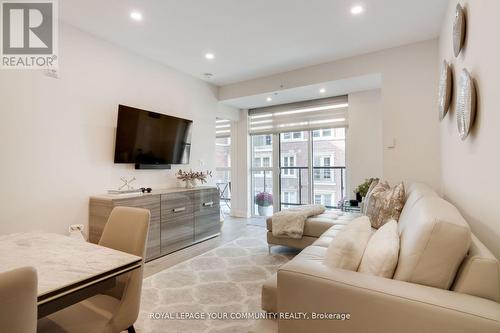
(18, 300)
(117, 309)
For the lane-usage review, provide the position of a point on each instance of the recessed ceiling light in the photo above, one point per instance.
(136, 16)
(356, 10)
(322, 91)
(269, 99)
(210, 56)
(208, 75)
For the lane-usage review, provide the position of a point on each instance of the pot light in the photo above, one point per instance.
(269, 99)
(136, 16)
(322, 91)
(210, 56)
(356, 10)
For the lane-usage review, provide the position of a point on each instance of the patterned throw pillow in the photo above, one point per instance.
(368, 195)
(385, 204)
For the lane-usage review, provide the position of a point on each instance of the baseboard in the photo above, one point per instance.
(242, 214)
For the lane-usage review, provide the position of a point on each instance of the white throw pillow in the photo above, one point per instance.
(382, 251)
(346, 249)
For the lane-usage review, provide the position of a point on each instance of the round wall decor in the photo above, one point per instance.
(445, 89)
(466, 104)
(458, 30)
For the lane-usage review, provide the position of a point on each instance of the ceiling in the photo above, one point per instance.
(310, 92)
(254, 38)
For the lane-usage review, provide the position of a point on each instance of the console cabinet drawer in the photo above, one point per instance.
(206, 214)
(177, 223)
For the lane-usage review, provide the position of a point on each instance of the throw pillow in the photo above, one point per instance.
(368, 195)
(385, 205)
(347, 247)
(382, 251)
(381, 186)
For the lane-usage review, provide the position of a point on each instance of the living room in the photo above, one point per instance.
(249, 166)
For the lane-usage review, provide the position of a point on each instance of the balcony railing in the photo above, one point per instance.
(333, 179)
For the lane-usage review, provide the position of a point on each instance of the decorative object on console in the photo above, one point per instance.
(459, 24)
(126, 183)
(385, 204)
(466, 104)
(264, 201)
(445, 89)
(190, 177)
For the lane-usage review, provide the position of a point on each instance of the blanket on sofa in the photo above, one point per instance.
(290, 223)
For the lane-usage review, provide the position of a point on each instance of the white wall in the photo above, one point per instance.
(364, 138)
(408, 103)
(470, 168)
(57, 135)
(240, 171)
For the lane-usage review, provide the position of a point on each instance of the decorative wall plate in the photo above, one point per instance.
(445, 89)
(458, 30)
(466, 104)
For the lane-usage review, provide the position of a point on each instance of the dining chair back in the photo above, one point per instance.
(18, 300)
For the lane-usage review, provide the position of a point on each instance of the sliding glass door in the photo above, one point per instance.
(329, 176)
(294, 168)
(263, 196)
(312, 167)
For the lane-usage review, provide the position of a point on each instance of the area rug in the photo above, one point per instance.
(203, 293)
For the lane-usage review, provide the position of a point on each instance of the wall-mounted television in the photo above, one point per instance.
(151, 140)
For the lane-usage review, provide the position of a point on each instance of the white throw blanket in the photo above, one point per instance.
(290, 223)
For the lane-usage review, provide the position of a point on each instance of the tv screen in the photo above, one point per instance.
(151, 139)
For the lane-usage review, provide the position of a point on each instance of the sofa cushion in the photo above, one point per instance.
(479, 274)
(347, 247)
(381, 253)
(385, 204)
(432, 244)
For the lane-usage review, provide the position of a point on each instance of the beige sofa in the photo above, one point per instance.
(446, 280)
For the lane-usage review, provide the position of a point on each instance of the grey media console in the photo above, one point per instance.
(179, 217)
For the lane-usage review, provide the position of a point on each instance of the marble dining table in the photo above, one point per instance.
(69, 270)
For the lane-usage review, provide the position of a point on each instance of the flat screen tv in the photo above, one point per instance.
(151, 140)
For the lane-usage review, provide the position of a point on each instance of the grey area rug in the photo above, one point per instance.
(225, 280)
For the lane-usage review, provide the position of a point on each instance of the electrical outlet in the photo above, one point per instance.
(76, 227)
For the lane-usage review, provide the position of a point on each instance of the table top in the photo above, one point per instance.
(60, 261)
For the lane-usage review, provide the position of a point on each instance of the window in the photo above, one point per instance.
(323, 199)
(288, 197)
(222, 174)
(268, 140)
(321, 173)
(292, 136)
(288, 161)
(266, 162)
(326, 133)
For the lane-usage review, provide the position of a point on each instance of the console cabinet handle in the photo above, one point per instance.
(208, 204)
(178, 210)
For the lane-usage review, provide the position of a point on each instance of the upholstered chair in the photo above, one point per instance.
(18, 296)
(117, 309)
